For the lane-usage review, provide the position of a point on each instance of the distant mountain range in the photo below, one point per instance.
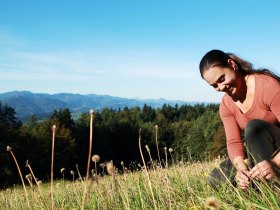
(42, 105)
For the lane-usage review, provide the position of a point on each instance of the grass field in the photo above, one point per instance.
(180, 186)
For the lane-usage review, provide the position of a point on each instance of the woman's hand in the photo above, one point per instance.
(263, 169)
(242, 178)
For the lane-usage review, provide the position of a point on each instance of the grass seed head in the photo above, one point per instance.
(9, 148)
(147, 147)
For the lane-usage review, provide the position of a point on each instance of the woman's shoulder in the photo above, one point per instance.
(266, 79)
(266, 87)
(226, 104)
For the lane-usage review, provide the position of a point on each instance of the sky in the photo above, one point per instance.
(130, 48)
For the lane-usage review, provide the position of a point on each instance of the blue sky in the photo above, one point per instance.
(132, 48)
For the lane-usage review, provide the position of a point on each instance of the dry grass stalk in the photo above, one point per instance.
(171, 151)
(89, 156)
(35, 179)
(9, 149)
(53, 140)
(79, 174)
(151, 159)
(96, 159)
(146, 171)
(165, 152)
(156, 128)
(112, 171)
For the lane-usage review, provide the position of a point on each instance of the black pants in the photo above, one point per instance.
(262, 142)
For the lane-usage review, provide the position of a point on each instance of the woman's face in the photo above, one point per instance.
(223, 79)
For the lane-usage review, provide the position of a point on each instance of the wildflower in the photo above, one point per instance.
(213, 202)
(95, 158)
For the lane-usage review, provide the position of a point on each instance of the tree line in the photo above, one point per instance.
(193, 132)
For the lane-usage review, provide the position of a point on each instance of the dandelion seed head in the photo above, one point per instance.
(170, 150)
(62, 170)
(72, 172)
(54, 127)
(213, 202)
(91, 111)
(9, 148)
(95, 158)
(156, 127)
(165, 148)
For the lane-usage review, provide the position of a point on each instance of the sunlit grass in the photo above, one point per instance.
(178, 185)
(181, 186)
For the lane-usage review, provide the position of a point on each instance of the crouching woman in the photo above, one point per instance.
(250, 111)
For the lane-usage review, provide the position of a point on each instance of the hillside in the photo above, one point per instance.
(42, 105)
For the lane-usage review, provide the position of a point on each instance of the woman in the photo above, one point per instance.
(250, 111)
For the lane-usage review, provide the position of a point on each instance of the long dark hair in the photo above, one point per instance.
(219, 58)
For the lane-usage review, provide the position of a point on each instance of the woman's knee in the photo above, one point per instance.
(254, 128)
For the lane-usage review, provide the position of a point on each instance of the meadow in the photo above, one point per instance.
(180, 186)
(168, 183)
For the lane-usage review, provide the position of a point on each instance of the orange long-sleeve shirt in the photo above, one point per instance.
(266, 106)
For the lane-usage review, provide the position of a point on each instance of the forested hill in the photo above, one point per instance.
(42, 105)
(188, 132)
